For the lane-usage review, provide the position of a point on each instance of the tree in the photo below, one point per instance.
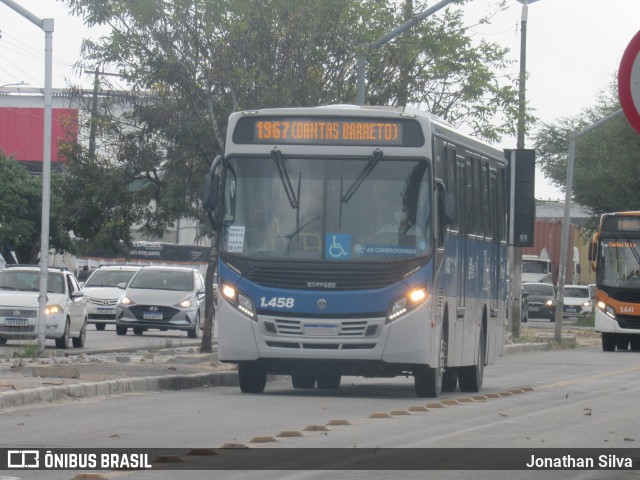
(21, 212)
(607, 160)
(190, 63)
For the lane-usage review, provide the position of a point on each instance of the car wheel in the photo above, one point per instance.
(63, 341)
(608, 342)
(101, 326)
(81, 339)
(193, 333)
(303, 380)
(470, 378)
(138, 330)
(329, 380)
(121, 330)
(252, 377)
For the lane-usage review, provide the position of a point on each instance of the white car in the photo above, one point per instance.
(102, 292)
(162, 298)
(66, 310)
(577, 301)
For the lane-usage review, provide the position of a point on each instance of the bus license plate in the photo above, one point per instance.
(152, 316)
(320, 329)
(16, 322)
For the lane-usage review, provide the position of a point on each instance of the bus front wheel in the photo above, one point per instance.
(252, 377)
(609, 342)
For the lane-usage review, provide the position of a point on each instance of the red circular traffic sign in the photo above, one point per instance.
(629, 82)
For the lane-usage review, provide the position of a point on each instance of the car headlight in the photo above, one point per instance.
(549, 303)
(407, 303)
(586, 304)
(125, 301)
(239, 300)
(185, 303)
(52, 309)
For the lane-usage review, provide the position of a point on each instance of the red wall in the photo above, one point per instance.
(22, 130)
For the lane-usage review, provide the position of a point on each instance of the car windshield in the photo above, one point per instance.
(109, 278)
(539, 289)
(576, 292)
(529, 266)
(163, 280)
(331, 209)
(29, 281)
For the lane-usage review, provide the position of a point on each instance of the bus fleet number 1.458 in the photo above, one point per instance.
(277, 302)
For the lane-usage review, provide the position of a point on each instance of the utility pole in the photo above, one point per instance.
(47, 26)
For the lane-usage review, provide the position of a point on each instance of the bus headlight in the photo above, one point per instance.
(608, 310)
(239, 300)
(407, 303)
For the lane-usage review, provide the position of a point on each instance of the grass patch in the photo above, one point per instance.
(589, 321)
(27, 350)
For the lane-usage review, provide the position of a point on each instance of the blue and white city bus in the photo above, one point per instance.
(367, 241)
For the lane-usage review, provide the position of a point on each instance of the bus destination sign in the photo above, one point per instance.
(328, 131)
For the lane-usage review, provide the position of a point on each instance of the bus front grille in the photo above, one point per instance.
(352, 279)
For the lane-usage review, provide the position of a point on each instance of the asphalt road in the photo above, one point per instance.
(579, 398)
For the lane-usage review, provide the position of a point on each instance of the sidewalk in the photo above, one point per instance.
(63, 378)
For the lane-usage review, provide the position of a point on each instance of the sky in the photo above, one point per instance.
(573, 51)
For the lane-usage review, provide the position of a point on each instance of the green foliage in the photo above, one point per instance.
(607, 159)
(191, 63)
(21, 212)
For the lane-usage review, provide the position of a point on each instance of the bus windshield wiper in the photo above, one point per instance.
(373, 161)
(284, 178)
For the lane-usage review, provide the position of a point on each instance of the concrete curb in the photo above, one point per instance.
(117, 387)
(161, 382)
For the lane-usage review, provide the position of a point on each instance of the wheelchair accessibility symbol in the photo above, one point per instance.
(338, 246)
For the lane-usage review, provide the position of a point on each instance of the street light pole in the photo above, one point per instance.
(47, 26)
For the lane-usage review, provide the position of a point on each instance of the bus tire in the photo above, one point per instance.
(303, 380)
(622, 342)
(470, 378)
(329, 380)
(635, 343)
(252, 377)
(428, 380)
(449, 379)
(608, 342)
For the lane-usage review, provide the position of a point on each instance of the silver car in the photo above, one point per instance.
(163, 298)
(102, 292)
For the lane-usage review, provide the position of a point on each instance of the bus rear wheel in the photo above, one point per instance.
(303, 380)
(329, 380)
(252, 377)
(470, 378)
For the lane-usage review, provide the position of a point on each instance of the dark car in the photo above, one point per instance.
(542, 301)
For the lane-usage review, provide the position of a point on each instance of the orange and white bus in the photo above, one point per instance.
(615, 256)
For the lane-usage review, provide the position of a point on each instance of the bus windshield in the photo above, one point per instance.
(620, 263)
(332, 209)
